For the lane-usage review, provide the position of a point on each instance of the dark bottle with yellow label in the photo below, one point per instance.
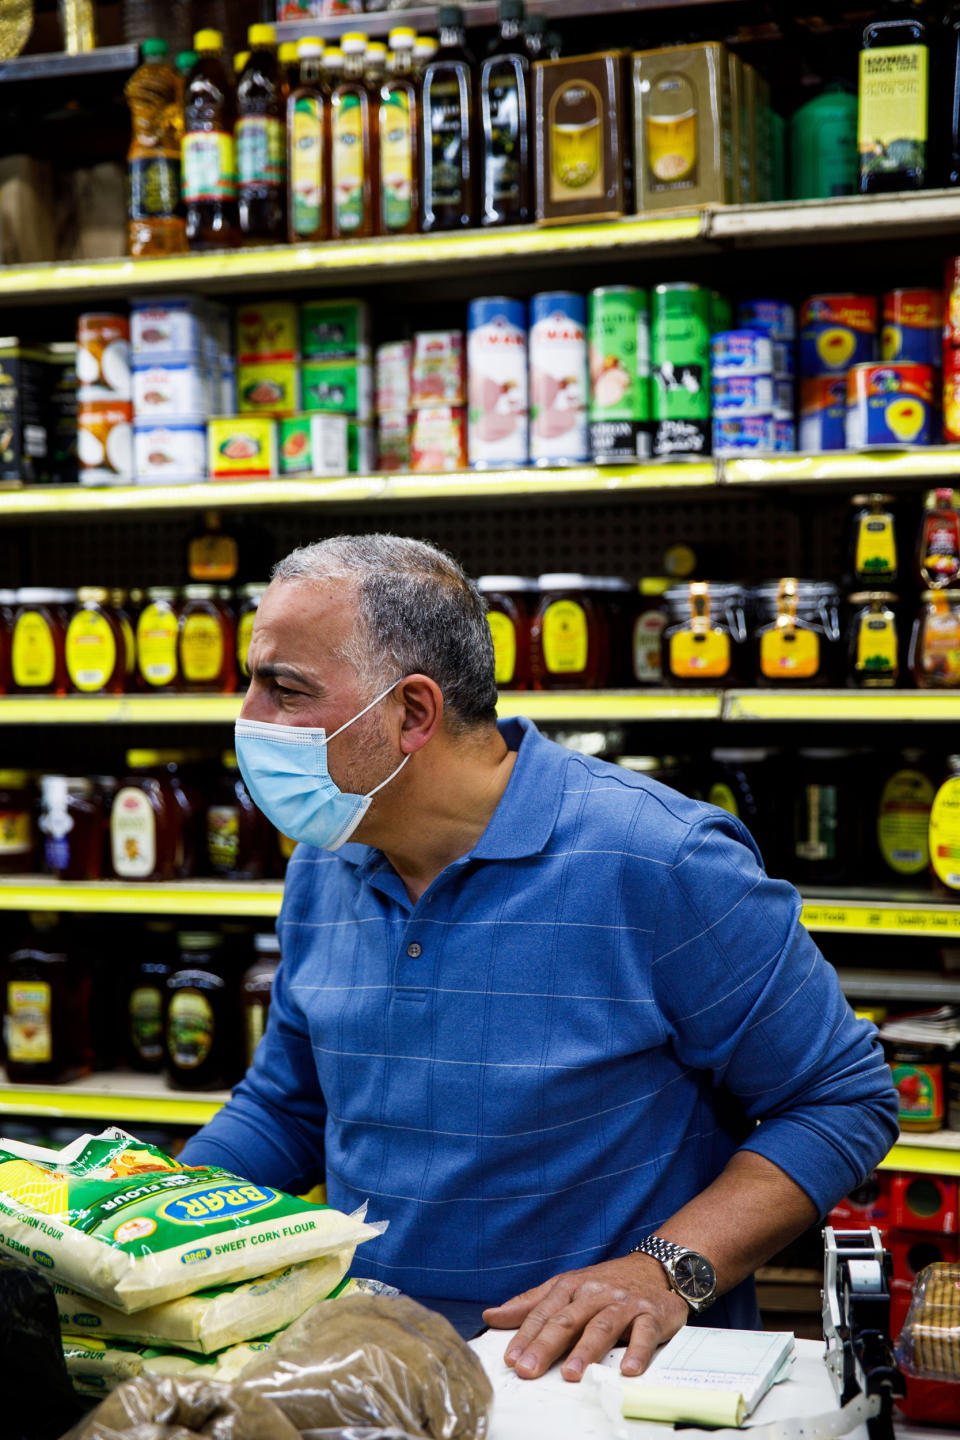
(47, 1008)
(944, 837)
(213, 552)
(201, 1029)
(206, 649)
(156, 640)
(447, 110)
(893, 130)
(504, 103)
(902, 831)
(209, 168)
(262, 142)
(238, 834)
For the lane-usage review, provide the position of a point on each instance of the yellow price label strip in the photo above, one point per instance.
(877, 920)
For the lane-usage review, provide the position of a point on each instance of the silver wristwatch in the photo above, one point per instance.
(689, 1273)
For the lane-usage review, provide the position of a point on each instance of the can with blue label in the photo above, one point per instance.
(741, 353)
(771, 317)
(913, 327)
(497, 398)
(823, 414)
(558, 378)
(618, 343)
(743, 395)
(744, 435)
(890, 406)
(837, 332)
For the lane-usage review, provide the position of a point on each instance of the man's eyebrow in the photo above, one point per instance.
(268, 671)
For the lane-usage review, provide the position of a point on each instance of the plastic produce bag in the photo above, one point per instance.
(929, 1344)
(374, 1361)
(123, 1222)
(178, 1409)
(96, 1367)
(38, 1402)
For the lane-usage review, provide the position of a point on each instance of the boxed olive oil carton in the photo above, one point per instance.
(682, 127)
(582, 160)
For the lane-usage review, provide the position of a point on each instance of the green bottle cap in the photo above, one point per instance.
(154, 48)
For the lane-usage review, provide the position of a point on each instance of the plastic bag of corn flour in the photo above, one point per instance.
(96, 1367)
(121, 1221)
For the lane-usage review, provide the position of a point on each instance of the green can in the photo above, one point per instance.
(721, 312)
(618, 337)
(681, 372)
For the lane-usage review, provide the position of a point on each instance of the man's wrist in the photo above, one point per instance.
(691, 1275)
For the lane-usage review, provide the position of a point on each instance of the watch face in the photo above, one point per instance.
(694, 1277)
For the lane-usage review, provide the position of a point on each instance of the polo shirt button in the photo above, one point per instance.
(414, 950)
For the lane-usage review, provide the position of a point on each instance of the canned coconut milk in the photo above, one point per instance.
(498, 413)
(681, 372)
(618, 343)
(558, 378)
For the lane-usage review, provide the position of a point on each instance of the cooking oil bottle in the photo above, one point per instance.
(375, 66)
(399, 124)
(353, 147)
(261, 142)
(504, 95)
(289, 57)
(308, 157)
(894, 116)
(155, 224)
(448, 195)
(209, 156)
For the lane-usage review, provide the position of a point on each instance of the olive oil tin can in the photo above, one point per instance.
(582, 128)
(682, 127)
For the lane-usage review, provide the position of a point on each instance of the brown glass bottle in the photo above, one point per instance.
(255, 990)
(147, 995)
(206, 648)
(209, 154)
(399, 121)
(308, 150)
(154, 819)
(261, 142)
(504, 100)
(200, 1022)
(238, 834)
(448, 177)
(353, 148)
(71, 826)
(47, 1009)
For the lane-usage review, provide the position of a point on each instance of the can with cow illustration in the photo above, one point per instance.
(618, 343)
(498, 415)
(558, 378)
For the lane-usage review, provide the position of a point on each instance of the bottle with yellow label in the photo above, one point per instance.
(508, 599)
(569, 635)
(156, 817)
(46, 1008)
(156, 638)
(213, 552)
(261, 142)
(874, 548)
(903, 821)
(308, 150)
(353, 147)
(38, 660)
(944, 834)
(399, 125)
(209, 154)
(873, 647)
(249, 603)
(201, 1020)
(95, 647)
(893, 129)
(206, 643)
(238, 834)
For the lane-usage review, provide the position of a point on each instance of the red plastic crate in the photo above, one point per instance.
(868, 1205)
(924, 1202)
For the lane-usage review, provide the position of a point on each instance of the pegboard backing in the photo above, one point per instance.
(742, 535)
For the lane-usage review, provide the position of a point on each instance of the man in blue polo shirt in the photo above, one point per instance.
(539, 1010)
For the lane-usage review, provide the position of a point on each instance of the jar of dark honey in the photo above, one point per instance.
(255, 990)
(935, 641)
(95, 647)
(509, 599)
(238, 834)
(569, 635)
(206, 645)
(247, 603)
(155, 817)
(156, 634)
(38, 644)
(71, 826)
(17, 840)
(201, 1020)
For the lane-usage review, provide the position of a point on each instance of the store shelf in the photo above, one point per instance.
(845, 220)
(114, 897)
(922, 988)
(936, 1154)
(38, 502)
(477, 15)
(59, 66)
(115, 1097)
(936, 462)
(864, 912)
(841, 705)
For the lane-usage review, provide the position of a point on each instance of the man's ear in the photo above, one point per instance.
(420, 701)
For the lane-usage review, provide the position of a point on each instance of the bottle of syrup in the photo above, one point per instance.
(353, 147)
(261, 142)
(504, 92)
(399, 122)
(448, 188)
(308, 158)
(209, 156)
(894, 111)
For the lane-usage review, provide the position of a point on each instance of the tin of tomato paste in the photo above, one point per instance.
(270, 388)
(823, 414)
(242, 446)
(438, 374)
(618, 345)
(558, 378)
(889, 406)
(680, 343)
(912, 327)
(103, 358)
(836, 332)
(439, 439)
(498, 407)
(267, 331)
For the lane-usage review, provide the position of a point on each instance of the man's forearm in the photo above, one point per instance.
(746, 1215)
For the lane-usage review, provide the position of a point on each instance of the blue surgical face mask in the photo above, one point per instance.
(285, 770)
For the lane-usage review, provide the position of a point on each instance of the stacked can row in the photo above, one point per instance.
(752, 381)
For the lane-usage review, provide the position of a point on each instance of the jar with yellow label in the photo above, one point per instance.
(796, 632)
(17, 838)
(873, 647)
(154, 818)
(38, 660)
(944, 835)
(46, 1008)
(903, 821)
(125, 610)
(874, 558)
(569, 635)
(201, 1020)
(508, 600)
(935, 641)
(705, 635)
(207, 642)
(247, 602)
(95, 648)
(8, 599)
(156, 631)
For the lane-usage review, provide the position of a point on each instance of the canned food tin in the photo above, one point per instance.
(558, 378)
(243, 446)
(218, 333)
(166, 327)
(618, 345)
(680, 340)
(438, 374)
(335, 330)
(169, 391)
(341, 387)
(103, 358)
(172, 454)
(393, 442)
(823, 414)
(837, 331)
(105, 443)
(771, 317)
(743, 395)
(784, 436)
(313, 445)
(267, 331)
(740, 352)
(393, 362)
(951, 397)
(912, 326)
(498, 413)
(744, 435)
(271, 388)
(951, 305)
(439, 440)
(889, 406)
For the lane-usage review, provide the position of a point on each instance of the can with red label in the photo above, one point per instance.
(889, 406)
(439, 369)
(951, 397)
(912, 326)
(439, 439)
(498, 413)
(951, 306)
(836, 332)
(558, 378)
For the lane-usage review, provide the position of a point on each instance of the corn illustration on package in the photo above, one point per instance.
(121, 1221)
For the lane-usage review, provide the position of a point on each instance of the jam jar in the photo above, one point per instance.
(569, 635)
(207, 645)
(935, 641)
(95, 646)
(508, 600)
(247, 601)
(38, 645)
(796, 632)
(17, 840)
(154, 819)
(873, 648)
(156, 633)
(705, 635)
(873, 550)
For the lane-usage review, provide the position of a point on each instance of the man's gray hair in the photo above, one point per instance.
(418, 613)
